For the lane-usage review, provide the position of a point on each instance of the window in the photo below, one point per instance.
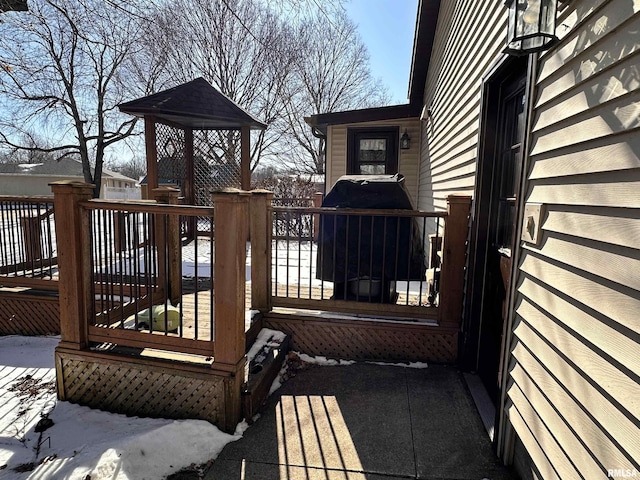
(372, 151)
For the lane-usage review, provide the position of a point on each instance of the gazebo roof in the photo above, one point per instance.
(195, 105)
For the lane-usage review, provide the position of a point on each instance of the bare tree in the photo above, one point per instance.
(67, 64)
(135, 167)
(332, 75)
(241, 47)
(31, 155)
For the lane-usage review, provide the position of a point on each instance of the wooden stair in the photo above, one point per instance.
(260, 374)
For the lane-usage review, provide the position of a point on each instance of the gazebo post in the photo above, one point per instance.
(245, 157)
(190, 181)
(152, 154)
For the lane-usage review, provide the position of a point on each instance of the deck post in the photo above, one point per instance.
(150, 138)
(32, 235)
(454, 253)
(169, 248)
(317, 203)
(245, 157)
(231, 223)
(189, 183)
(119, 232)
(73, 243)
(260, 229)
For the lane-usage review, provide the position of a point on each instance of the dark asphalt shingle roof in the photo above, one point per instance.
(195, 104)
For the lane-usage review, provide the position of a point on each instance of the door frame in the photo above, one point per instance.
(469, 346)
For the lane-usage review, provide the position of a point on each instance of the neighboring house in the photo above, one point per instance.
(34, 179)
(549, 146)
(370, 141)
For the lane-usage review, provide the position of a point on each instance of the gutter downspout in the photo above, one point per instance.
(316, 132)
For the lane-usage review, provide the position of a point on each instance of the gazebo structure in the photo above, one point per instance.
(196, 138)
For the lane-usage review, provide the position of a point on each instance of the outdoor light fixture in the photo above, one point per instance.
(405, 141)
(532, 26)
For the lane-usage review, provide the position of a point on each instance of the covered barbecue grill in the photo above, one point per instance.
(364, 255)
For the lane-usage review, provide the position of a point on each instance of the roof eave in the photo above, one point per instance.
(170, 116)
(426, 21)
(391, 112)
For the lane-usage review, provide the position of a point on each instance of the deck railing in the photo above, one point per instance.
(28, 252)
(142, 283)
(148, 282)
(128, 268)
(390, 263)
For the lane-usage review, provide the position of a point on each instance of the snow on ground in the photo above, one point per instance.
(328, 362)
(83, 441)
(294, 263)
(324, 361)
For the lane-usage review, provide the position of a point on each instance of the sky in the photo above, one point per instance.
(387, 28)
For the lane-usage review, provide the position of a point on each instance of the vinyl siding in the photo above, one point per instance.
(575, 355)
(408, 160)
(469, 36)
(573, 389)
(22, 184)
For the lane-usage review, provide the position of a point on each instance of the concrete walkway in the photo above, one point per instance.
(362, 422)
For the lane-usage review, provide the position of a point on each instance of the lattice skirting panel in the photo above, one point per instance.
(367, 340)
(117, 384)
(29, 314)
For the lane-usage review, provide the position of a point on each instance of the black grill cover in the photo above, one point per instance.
(351, 247)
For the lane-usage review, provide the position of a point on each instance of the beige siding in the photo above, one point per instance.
(575, 356)
(407, 160)
(22, 184)
(469, 36)
(573, 391)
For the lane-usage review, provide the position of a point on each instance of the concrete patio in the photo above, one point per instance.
(365, 421)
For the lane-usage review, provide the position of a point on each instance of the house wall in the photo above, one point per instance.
(574, 362)
(572, 393)
(39, 184)
(27, 184)
(469, 37)
(407, 159)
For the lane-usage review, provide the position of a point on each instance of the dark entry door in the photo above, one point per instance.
(372, 151)
(500, 192)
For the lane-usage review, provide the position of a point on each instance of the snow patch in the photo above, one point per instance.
(327, 362)
(248, 316)
(85, 442)
(266, 338)
(324, 361)
(29, 166)
(405, 365)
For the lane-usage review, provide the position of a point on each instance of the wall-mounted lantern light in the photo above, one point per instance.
(532, 26)
(405, 141)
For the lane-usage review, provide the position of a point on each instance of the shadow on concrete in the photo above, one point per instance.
(365, 421)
